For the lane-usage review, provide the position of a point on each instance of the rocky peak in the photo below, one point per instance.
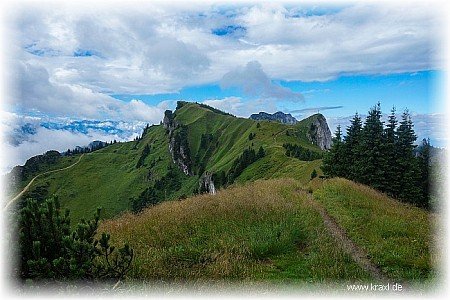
(169, 121)
(319, 133)
(278, 117)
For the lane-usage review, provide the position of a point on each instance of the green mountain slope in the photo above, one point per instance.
(112, 176)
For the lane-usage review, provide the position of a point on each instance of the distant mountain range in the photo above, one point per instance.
(278, 117)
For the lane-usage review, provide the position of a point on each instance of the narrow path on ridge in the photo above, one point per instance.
(32, 180)
(338, 233)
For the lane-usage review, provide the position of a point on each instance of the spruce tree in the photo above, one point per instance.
(371, 150)
(261, 153)
(392, 171)
(333, 159)
(409, 189)
(424, 166)
(351, 155)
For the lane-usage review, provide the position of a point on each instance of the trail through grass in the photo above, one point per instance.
(396, 236)
(263, 230)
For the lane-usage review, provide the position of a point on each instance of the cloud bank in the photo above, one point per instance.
(255, 82)
(65, 59)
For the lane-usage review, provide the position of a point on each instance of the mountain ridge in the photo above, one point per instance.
(200, 148)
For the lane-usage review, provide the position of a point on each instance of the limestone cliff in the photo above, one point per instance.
(319, 133)
(178, 143)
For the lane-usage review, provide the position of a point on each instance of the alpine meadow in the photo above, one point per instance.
(266, 148)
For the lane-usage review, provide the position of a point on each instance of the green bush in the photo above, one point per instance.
(49, 249)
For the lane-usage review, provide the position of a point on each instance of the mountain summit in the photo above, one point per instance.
(278, 116)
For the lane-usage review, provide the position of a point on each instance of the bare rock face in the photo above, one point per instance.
(319, 133)
(178, 145)
(169, 122)
(206, 184)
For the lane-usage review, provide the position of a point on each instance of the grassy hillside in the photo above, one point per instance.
(11, 188)
(262, 230)
(397, 236)
(269, 230)
(110, 178)
(233, 135)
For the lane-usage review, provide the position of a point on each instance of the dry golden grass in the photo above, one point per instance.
(265, 229)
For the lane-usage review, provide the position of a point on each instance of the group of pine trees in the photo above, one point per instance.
(144, 132)
(383, 157)
(248, 157)
(297, 151)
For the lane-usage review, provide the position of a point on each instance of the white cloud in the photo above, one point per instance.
(26, 136)
(232, 105)
(45, 140)
(175, 58)
(156, 48)
(64, 60)
(254, 82)
(35, 91)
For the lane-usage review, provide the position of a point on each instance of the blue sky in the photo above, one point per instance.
(127, 63)
(417, 91)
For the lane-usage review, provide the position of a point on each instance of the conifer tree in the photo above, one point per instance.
(392, 171)
(261, 153)
(351, 144)
(424, 166)
(409, 189)
(333, 159)
(49, 249)
(371, 150)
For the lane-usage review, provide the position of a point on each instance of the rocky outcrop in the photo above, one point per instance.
(178, 143)
(278, 117)
(319, 133)
(206, 184)
(169, 122)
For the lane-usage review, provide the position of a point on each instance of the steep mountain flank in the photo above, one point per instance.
(196, 149)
